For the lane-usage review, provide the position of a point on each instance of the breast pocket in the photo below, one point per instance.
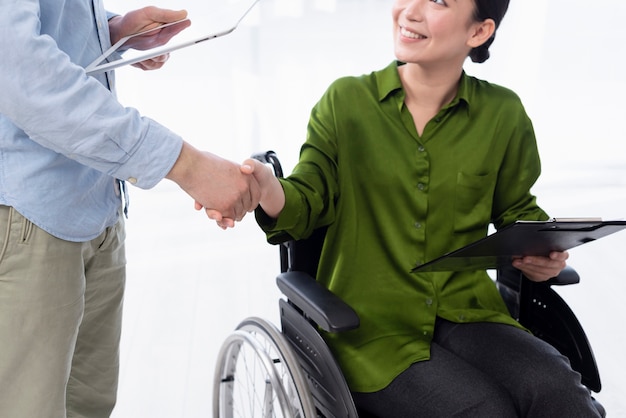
(473, 201)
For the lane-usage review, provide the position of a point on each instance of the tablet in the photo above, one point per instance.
(116, 56)
(523, 238)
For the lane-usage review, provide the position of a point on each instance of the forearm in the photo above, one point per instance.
(272, 197)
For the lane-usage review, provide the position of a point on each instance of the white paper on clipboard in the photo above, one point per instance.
(112, 59)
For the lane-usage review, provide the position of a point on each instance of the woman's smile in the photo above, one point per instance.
(406, 33)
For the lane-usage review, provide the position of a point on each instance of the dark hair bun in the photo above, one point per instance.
(487, 9)
(481, 54)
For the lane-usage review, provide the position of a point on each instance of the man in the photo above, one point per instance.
(67, 150)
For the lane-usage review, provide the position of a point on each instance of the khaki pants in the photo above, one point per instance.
(60, 321)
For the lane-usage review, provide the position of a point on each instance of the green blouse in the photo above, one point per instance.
(392, 198)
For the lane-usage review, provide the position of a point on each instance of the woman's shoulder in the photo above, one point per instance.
(482, 89)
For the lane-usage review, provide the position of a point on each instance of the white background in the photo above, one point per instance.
(190, 283)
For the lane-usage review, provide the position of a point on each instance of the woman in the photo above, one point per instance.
(406, 164)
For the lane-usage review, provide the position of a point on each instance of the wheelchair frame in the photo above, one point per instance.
(264, 372)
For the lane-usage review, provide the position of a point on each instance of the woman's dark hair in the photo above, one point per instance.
(483, 10)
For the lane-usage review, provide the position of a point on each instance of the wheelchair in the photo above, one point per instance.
(262, 371)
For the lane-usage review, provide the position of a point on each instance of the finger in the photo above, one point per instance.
(214, 215)
(555, 263)
(173, 30)
(152, 63)
(161, 58)
(247, 168)
(226, 223)
(534, 275)
(255, 190)
(158, 14)
(535, 261)
(253, 195)
(535, 265)
(241, 208)
(559, 255)
(539, 272)
(148, 65)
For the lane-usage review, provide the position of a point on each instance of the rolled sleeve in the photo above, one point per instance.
(282, 229)
(150, 162)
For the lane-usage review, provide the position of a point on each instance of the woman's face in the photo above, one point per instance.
(433, 31)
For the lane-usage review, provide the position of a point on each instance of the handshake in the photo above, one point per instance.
(226, 190)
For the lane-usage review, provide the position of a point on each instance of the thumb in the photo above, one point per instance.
(248, 166)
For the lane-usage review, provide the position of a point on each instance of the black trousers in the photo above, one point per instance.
(484, 370)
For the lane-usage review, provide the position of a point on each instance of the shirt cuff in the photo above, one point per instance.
(153, 159)
(282, 228)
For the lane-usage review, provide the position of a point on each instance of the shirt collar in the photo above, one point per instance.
(389, 83)
(463, 94)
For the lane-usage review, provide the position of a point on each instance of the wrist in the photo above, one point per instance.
(182, 170)
(273, 198)
(114, 33)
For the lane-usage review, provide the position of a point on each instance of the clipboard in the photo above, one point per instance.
(522, 238)
(112, 58)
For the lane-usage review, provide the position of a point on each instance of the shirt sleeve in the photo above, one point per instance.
(519, 171)
(47, 94)
(312, 189)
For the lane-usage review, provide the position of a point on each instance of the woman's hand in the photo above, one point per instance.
(540, 269)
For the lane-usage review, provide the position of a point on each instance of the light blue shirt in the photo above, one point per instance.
(64, 137)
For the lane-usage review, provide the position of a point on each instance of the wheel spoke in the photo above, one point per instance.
(258, 376)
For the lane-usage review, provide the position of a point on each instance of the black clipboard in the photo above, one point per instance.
(522, 238)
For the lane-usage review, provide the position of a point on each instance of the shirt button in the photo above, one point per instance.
(429, 302)
(421, 148)
(421, 186)
(417, 225)
(132, 180)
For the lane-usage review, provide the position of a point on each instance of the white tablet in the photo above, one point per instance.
(111, 60)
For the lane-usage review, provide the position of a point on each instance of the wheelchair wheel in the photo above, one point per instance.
(258, 376)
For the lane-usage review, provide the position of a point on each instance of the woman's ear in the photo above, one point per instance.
(481, 32)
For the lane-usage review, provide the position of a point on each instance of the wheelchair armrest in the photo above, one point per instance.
(321, 305)
(567, 276)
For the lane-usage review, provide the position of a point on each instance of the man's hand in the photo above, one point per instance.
(272, 195)
(217, 185)
(144, 19)
(540, 269)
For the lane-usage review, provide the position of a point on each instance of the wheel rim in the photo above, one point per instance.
(258, 376)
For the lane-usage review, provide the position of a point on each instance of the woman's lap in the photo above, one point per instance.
(484, 369)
